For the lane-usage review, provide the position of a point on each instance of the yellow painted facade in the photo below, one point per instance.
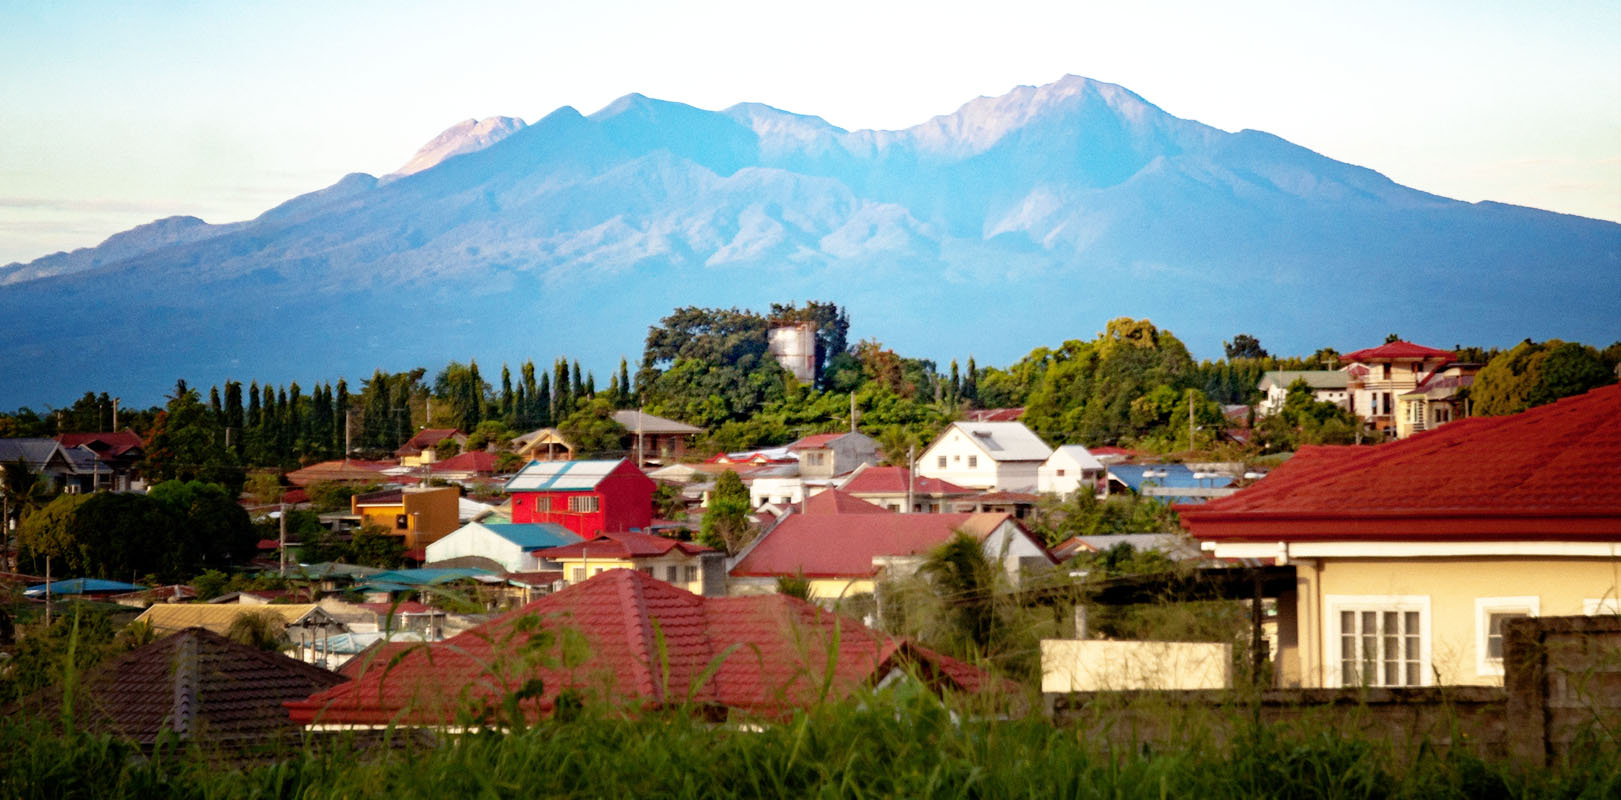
(422, 516)
(576, 570)
(832, 590)
(1450, 599)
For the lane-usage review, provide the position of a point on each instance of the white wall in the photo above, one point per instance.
(774, 490)
(987, 473)
(474, 539)
(1077, 665)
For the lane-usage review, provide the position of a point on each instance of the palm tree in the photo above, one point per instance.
(260, 629)
(964, 577)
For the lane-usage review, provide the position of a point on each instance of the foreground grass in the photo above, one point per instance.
(886, 747)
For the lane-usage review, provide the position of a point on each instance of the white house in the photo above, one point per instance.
(995, 456)
(1327, 386)
(512, 545)
(1070, 467)
(783, 492)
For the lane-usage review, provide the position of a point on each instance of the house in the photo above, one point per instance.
(825, 455)
(991, 456)
(587, 497)
(304, 623)
(1327, 386)
(1017, 504)
(465, 466)
(646, 645)
(195, 684)
(846, 554)
(1439, 399)
(689, 565)
(656, 440)
(76, 471)
(348, 470)
(420, 515)
(424, 447)
(1409, 555)
(543, 444)
(1070, 467)
(117, 453)
(1175, 546)
(891, 487)
(509, 546)
(1379, 376)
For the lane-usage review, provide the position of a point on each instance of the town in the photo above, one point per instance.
(765, 518)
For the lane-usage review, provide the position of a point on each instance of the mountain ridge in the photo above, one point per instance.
(1076, 200)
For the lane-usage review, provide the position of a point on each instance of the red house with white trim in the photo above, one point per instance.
(587, 497)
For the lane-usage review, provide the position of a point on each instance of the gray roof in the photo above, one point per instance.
(1316, 379)
(647, 423)
(1006, 441)
(36, 452)
(1082, 456)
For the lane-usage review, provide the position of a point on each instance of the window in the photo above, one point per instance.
(671, 572)
(576, 575)
(1490, 614)
(942, 462)
(1060, 473)
(973, 461)
(1378, 640)
(689, 574)
(815, 459)
(1385, 371)
(583, 503)
(401, 522)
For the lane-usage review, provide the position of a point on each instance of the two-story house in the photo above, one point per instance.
(419, 515)
(1327, 386)
(825, 455)
(994, 456)
(1070, 468)
(689, 565)
(1379, 377)
(427, 445)
(588, 497)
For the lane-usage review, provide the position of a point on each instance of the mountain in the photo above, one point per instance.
(1015, 222)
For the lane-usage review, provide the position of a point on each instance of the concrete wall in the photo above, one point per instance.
(1084, 665)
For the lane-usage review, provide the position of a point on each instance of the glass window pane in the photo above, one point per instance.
(1412, 674)
(1412, 647)
(1412, 623)
(1392, 673)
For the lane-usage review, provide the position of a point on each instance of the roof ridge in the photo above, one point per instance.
(634, 603)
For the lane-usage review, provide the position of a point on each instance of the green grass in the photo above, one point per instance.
(892, 744)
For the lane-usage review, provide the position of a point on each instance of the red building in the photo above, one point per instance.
(587, 497)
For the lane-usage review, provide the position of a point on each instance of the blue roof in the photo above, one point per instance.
(426, 576)
(1175, 476)
(534, 535)
(82, 586)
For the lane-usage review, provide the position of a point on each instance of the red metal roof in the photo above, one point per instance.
(1397, 350)
(996, 415)
(892, 480)
(649, 643)
(844, 545)
(834, 501)
(1546, 473)
(428, 437)
(479, 461)
(622, 544)
(112, 444)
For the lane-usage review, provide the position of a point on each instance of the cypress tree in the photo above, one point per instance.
(562, 394)
(625, 398)
(590, 385)
(340, 418)
(214, 404)
(253, 406)
(576, 390)
(956, 381)
(970, 383)
(531, 413)
(506, 410)
(543, 403)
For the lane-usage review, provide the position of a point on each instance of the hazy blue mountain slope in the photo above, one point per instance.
(1014, 222)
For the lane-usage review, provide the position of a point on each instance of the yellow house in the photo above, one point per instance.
(1409, 556)
(425, 447)
(1405, 388)
(688, 565)
(544, 444)
(420, 515)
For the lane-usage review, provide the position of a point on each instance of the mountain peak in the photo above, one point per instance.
(467, 136)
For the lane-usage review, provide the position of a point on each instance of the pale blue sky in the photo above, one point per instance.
(115, 113)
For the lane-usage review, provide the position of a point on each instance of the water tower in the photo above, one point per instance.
(793, 344)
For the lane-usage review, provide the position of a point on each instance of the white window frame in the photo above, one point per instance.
(1334, 604)
(1485, 607)
(1594, 606)
(584, 504)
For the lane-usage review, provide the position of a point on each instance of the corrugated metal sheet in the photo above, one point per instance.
(561, 476)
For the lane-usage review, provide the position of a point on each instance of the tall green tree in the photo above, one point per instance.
(726, 523)
(187, 443)
(1532, 374)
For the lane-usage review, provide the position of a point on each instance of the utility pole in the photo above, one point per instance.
(47, 591)
(1190, 420)
(115, 415)
(639, 454)
(911, 477)
(283, 548)
(852, 411)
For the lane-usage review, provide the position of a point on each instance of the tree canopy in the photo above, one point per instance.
(1533, 374)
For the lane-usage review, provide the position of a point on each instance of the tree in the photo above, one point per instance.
(726, 521)
(373, 546)
(963, 575)
(259, 629)
(1244, 346)
(23, 491)
(188, 443)
(593, 431)
(1533, 374)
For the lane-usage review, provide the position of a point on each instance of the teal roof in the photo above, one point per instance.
(384, 586)
(427, 576)
(534, 535)
(82, 586)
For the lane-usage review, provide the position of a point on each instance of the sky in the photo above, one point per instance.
(114, 113)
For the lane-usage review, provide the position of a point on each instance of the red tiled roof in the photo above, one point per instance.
(194, 681)
(1546, 473)
(817, 441)
(622, 544)
(537, 578)
(1005, 497)
(295, 495)
(112, 444)
(1111, 450)
(1395, 350)
(892, 480)
(351, 471)
(480, 461)
(996, 415)
(844, 545)
(650, 644)
(428, 437)
(834, 501)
